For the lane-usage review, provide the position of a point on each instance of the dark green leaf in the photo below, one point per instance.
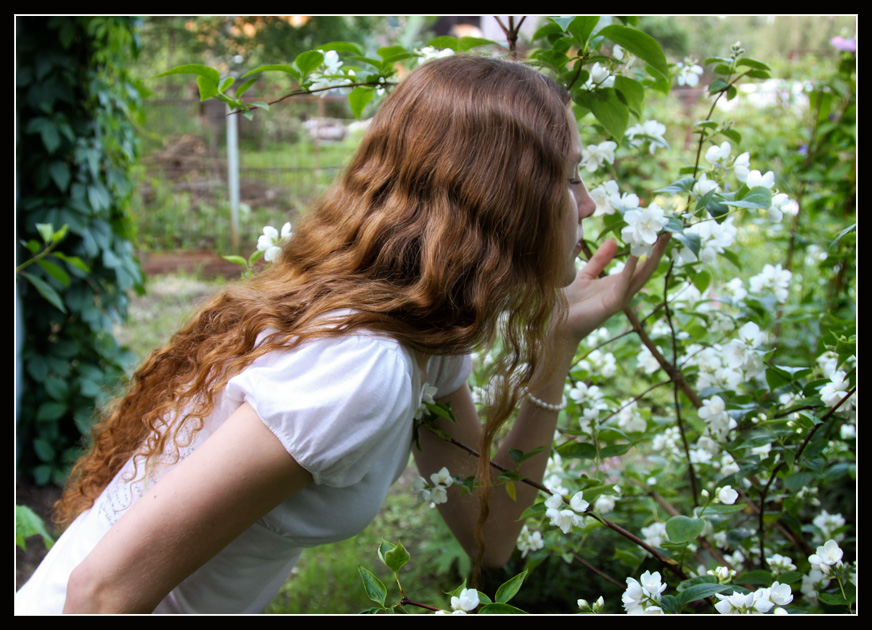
(46, 291)
(700, 591)
(500, 609)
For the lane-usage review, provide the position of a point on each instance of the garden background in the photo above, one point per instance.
(138, 170)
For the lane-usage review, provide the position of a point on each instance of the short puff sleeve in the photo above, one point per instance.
(337, 405)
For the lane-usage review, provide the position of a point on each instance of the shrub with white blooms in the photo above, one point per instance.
(703, 426)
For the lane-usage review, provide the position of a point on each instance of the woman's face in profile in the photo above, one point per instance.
(580, 205)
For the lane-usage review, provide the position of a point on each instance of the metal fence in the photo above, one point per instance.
(286, 157)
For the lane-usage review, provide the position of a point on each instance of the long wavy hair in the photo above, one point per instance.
(444, 232)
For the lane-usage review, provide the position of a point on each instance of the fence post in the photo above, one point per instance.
(233, 179)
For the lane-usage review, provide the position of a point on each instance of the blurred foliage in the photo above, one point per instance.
(76, 104)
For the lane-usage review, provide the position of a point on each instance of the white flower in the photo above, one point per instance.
(714, 239)
(755, 179)
(529, 541)
(772, 278)
(750, 335)
(438, 494)
(467, 601)
(651, 131)
(781, 204)
(594, 155)
(578, 504)
(744, 603)
(429, 52)
(331, 60)
(779, 564)
(688, 73)
(442, 478)
(428, 391)
(714, 412)
(642, 596)
(420, 488)
(605, 196)
(723, 574)
(599, 77)
(717, 155)
(705, 185)
(828, 554)
(727, 495)
(655, 534)
(780, 594)
(604, 503)
(828, 524)
(742, 166)
(565, 520)
(651, 584)
(836, 389)
(271, 241)
(642, 228)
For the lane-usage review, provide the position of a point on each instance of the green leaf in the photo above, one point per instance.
(207, 78)
(243, 88)
(681, 529)
(693, 242)
(359, 98)
(752, 63)
(44, 450)
(50, 411)
(580, 27)
(374, 588)
(46, 291)
(510, 588)
(208, 88)
(54, 271)
(394, 556)
(700, 591)
(27, 524)
(46, 231)
(701, 279)
(238, 260)
(348, 47)
(759, 198)
(610, 111)
(640, 44)
(500, 609)
(578, 450)
(719, 508)
(308, 61)
(60, 174)
(683, 185)
(631, 92)
(273, 68)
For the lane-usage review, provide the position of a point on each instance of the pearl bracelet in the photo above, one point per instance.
(544, 405)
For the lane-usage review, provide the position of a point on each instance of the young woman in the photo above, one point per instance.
(278, 418)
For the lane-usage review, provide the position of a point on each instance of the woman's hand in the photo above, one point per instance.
(593, 300)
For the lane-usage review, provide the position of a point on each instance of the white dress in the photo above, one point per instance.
(343, 408)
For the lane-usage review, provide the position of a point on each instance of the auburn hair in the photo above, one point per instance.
(444, 231)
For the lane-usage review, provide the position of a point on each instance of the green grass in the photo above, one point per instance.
(326, 580)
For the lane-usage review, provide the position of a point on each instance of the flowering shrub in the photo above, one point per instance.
(709, 435)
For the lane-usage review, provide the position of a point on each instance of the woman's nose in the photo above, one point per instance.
(586, 205)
